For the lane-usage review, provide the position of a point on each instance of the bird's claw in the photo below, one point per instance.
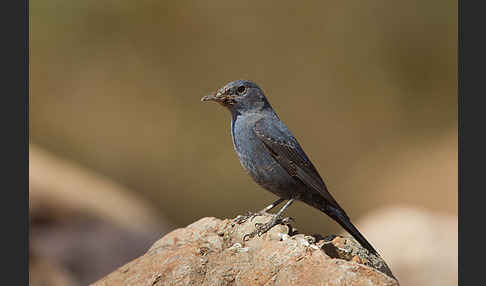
(243, 218)
(262, 228)
(247, 236)
(247, 216)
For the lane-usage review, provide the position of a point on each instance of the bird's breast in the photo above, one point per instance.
(256, 159)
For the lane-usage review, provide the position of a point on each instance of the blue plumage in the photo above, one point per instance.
(271, 155)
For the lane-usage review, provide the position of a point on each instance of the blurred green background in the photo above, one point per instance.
(368, 88)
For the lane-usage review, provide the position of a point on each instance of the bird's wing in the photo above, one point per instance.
(285, 149)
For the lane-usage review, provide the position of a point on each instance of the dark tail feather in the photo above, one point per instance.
(345, 222)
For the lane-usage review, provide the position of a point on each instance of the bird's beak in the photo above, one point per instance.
(212, 97)
(218, 97)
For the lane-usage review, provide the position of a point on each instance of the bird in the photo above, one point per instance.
(273, 157)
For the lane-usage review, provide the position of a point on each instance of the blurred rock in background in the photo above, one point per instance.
(83, 225)
(369, 89)
(419, 245)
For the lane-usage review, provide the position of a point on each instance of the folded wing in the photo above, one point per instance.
(287, 152)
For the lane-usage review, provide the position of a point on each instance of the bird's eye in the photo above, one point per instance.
(241, 89)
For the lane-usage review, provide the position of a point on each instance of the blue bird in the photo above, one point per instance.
(273, 158)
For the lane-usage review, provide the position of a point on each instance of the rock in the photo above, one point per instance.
(215, 252)
(420, 245)
(46, 272)
(349, 249)
(82, 224)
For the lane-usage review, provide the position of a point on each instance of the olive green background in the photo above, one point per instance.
(368, 88)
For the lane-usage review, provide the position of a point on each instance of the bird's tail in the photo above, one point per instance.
(340, 217)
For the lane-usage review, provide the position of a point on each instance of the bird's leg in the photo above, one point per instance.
(276, 218)
(266, 209)
(272, 205)
(249, 215)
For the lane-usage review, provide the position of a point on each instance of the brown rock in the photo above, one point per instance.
(46, 272)
(82, 224)
(213, 252)
(419, 244)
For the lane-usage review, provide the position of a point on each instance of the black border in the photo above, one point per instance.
(14, 214)
(26, 133)
(460, 94)
(471, 65)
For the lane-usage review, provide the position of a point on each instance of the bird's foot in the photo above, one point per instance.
(248, 216)
(244, 217)
(262, 228)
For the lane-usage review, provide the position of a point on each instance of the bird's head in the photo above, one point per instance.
(240, 96)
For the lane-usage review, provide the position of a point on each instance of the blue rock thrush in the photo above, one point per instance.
(273, 157)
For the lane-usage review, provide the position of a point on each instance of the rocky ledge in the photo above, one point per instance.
(211, 251)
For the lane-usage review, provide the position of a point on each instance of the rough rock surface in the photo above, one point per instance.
(216, 252)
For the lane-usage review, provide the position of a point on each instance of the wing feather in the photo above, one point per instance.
(288, 153)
